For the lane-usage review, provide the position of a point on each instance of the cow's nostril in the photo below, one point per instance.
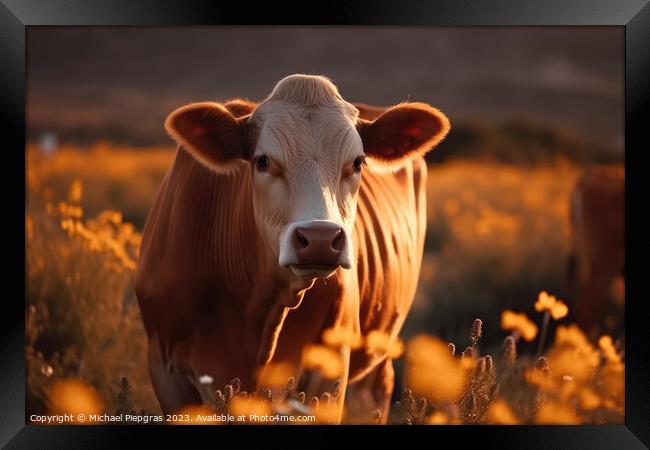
(339, 240)
(302, 240)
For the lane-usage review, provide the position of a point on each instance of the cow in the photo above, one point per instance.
(277, 221)
(597, 261)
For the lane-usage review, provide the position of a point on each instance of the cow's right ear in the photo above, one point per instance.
(210, 133)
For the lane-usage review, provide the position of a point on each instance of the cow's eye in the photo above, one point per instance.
(262, 163)
(358, 162)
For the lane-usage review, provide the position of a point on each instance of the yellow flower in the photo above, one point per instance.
(554, 413)
(437, 418)
(431, 370)
(572, 336)
(337, 337)
(323, 359)
(539, 379)
(607, 347)
(327, 413)
(518, 322)
(75, 191)
(274, 374)
(613, 384)
(253, 409)
(559, 310)
(555, 307)
(72, 396)
(378, 342)
(544, 302)
(468, 362)
(572, 354)
(570, 361)
(500, 413)
(589, 399)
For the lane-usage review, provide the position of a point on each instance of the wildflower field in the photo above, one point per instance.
(490, 337)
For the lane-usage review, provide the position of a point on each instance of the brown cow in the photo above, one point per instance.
(265, 233)
(598, 241)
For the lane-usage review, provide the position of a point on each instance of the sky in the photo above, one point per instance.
(119, 83)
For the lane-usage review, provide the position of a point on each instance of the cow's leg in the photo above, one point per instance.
(374, 391)
(383, 387)
(173, 390)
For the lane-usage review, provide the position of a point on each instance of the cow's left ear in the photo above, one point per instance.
(211, 133)
(401, 134)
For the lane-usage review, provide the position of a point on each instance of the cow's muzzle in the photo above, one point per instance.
(319, 245)
(315, 249)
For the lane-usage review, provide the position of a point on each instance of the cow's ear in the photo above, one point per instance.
(402, 133)
(240, 107)
(210, 133)
(369, 112)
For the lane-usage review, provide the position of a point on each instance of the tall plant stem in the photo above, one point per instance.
(542, 336)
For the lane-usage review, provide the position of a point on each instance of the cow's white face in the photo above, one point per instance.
(307, 149)
(306, 168)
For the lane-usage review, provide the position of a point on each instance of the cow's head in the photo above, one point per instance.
(307, 149)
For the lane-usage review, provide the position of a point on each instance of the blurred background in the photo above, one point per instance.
(530, 109)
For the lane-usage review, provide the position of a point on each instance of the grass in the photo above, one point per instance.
(497, 236)
(117, 178)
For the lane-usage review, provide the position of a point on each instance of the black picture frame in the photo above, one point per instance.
(633, 15)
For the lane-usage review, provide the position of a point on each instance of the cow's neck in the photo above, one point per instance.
(246, 270)
(267, 304)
